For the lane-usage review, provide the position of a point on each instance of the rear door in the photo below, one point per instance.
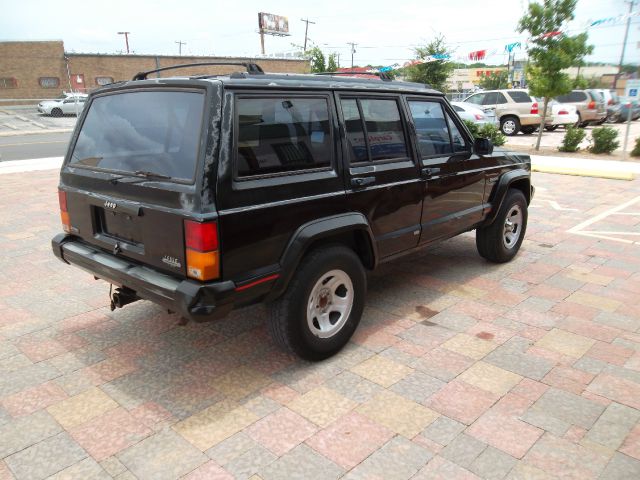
(278, 170)
(453, 177)
(159, 133)
(381, 175)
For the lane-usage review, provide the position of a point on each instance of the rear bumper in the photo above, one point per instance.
(193, 300)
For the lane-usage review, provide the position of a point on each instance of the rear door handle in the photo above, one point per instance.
(361, 182)
(429, 172)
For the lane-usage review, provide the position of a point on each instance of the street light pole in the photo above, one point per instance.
(126, 39)
(306, 30)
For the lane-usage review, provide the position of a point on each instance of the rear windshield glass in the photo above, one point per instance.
(151, 131)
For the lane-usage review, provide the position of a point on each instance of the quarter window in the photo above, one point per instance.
(520, 97)
(381, 135)
(282, 134)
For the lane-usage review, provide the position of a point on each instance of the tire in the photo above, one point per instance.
(551, 128)
(56, 112)
(528, 130)
(579, 122)
(510, 126)
(294, 321)
(495, 242)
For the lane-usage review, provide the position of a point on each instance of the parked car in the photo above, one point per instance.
(65, 104)
(515, 110)
(473, 113)
(619, 112)
(589, 104)
(558, 115)
(255, 187)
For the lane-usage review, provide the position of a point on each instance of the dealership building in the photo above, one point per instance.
(43, 69)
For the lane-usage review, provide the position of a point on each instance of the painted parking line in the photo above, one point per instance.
(616, 236)
(17, 166)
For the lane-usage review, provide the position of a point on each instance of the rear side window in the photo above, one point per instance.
(374, 129)
(282, 134)
(494, 98)
(520, 97)
(154, 131)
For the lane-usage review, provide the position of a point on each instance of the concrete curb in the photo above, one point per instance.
(35, 132)
(584, 167)
(19, 166)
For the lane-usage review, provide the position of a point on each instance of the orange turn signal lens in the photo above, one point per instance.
(66, 223)
(202, 265)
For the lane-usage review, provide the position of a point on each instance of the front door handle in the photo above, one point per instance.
(361, 182)
(429, 172)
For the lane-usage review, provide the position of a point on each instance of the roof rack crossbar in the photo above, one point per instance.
(381, 75)
(252, 68)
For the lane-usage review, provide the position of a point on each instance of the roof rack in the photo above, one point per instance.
(252, 68)
(381, 75)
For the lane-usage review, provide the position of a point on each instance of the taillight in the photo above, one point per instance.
(610, 102)
(479, 116)
(563, 112)
(201, 242)
(534, 108)
(64, 213)
(592, 105)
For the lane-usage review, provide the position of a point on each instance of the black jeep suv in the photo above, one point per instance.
(205, 193)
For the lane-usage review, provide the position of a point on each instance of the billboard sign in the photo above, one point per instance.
(273, 24)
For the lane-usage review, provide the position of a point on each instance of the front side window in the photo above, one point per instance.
(431, 128)
(374, 129)
(282, 134)
(153, 131)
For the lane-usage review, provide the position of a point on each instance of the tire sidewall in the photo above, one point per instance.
(514, 197)
(348, 263)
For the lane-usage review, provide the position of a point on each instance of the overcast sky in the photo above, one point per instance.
(385, 33)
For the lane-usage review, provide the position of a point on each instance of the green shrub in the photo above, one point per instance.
(473, 128)
(493, 133)
(636, 150)
(487, 130)
(572, 139)
(605, 140)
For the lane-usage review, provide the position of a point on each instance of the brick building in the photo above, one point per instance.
(36, 70)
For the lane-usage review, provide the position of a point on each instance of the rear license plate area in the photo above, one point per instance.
(119, 225)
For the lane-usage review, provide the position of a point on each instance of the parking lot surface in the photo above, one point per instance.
(460, 369)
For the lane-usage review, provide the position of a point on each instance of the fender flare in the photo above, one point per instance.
(506, 180)
(311, 232)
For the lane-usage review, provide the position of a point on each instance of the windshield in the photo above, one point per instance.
(156, 131)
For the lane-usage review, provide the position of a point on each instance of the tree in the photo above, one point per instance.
(497, 80)
(317, 60)
(551, 50)
(433, 73)
(332, 64)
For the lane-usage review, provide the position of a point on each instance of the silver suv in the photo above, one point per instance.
(515, 109)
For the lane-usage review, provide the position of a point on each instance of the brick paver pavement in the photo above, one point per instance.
(460, 368)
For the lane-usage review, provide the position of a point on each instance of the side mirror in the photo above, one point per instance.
(482, 146)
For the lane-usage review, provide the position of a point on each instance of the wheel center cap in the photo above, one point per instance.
(323, 299)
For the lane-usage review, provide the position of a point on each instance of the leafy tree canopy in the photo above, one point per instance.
(432, 73)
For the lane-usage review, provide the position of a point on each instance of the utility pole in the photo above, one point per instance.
(624, 45)
(180, 46)
(306, 30)
(126, 39)
(353, 50)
